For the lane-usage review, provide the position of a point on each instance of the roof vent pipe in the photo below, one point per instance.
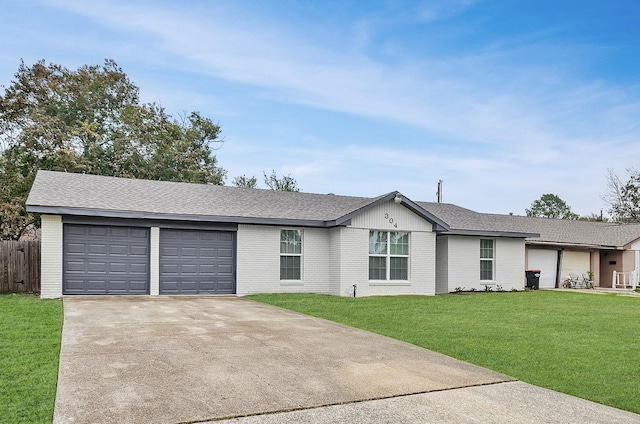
(439, 192)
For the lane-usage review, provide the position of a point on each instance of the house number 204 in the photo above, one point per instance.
(390, 219)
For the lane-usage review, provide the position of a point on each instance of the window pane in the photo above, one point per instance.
(486, 249)
(486, 270)
(399, 243)
(378, 242)
(291, 241)
(377, 268)
(399, 268)
(290, 267)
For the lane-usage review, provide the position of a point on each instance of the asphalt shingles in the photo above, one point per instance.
(83, 192)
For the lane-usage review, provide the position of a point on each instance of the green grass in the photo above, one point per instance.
(30, 331)
(585, 345)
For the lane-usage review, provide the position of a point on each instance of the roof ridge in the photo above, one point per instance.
(77, 193)
(222, 186)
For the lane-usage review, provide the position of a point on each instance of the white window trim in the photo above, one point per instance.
(290, 282)
(388, 257)
(493, 262)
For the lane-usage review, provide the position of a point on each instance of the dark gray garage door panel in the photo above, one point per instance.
(100, 259)
(197, 262)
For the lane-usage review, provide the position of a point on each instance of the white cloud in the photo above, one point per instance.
(481, 97)
(536, 124)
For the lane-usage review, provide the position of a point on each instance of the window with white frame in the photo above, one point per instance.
(486, 259)
(290, 254)
(388, 255)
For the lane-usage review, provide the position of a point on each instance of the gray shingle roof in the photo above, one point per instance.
(83, 192)
(551, 231)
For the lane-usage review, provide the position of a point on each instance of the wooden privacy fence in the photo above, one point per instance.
(19, 266)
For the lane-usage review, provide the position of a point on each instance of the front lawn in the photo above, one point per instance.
(585, 345)
(30, 331)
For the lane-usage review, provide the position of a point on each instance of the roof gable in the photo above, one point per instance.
(398, 198)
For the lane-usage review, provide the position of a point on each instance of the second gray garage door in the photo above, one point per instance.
(197, 262)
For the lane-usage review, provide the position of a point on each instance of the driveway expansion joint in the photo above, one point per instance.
(351, 402)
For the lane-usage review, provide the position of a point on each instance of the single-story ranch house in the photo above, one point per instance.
(107, 235)
(559, 247)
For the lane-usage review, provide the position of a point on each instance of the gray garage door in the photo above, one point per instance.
(100, 259)
(197, 262)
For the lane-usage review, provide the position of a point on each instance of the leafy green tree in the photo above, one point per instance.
(624, 197)
(246, 182)
(286, 183)
(91, 120)
(551, 206)
(594, 217)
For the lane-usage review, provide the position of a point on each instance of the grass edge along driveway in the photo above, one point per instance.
(584, 345)
(30, 336)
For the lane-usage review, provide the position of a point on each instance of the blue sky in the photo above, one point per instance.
(502, 100)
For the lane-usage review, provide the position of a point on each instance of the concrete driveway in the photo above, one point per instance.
(201, 359)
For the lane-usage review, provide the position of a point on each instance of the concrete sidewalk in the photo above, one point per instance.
(198, 359)
(508, 402)
(601, 290)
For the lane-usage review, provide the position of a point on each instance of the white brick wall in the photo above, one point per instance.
(423, 262)
(258, 261)
(335, 259)
(51, 257)
(154, 261)
(442, 265)
(335, 263)
(510, 267)
(355, 252)
(315, 257)
(463, 268)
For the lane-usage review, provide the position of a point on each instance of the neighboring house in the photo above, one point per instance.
(105, 235)
(558, 247)
(567, 247)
